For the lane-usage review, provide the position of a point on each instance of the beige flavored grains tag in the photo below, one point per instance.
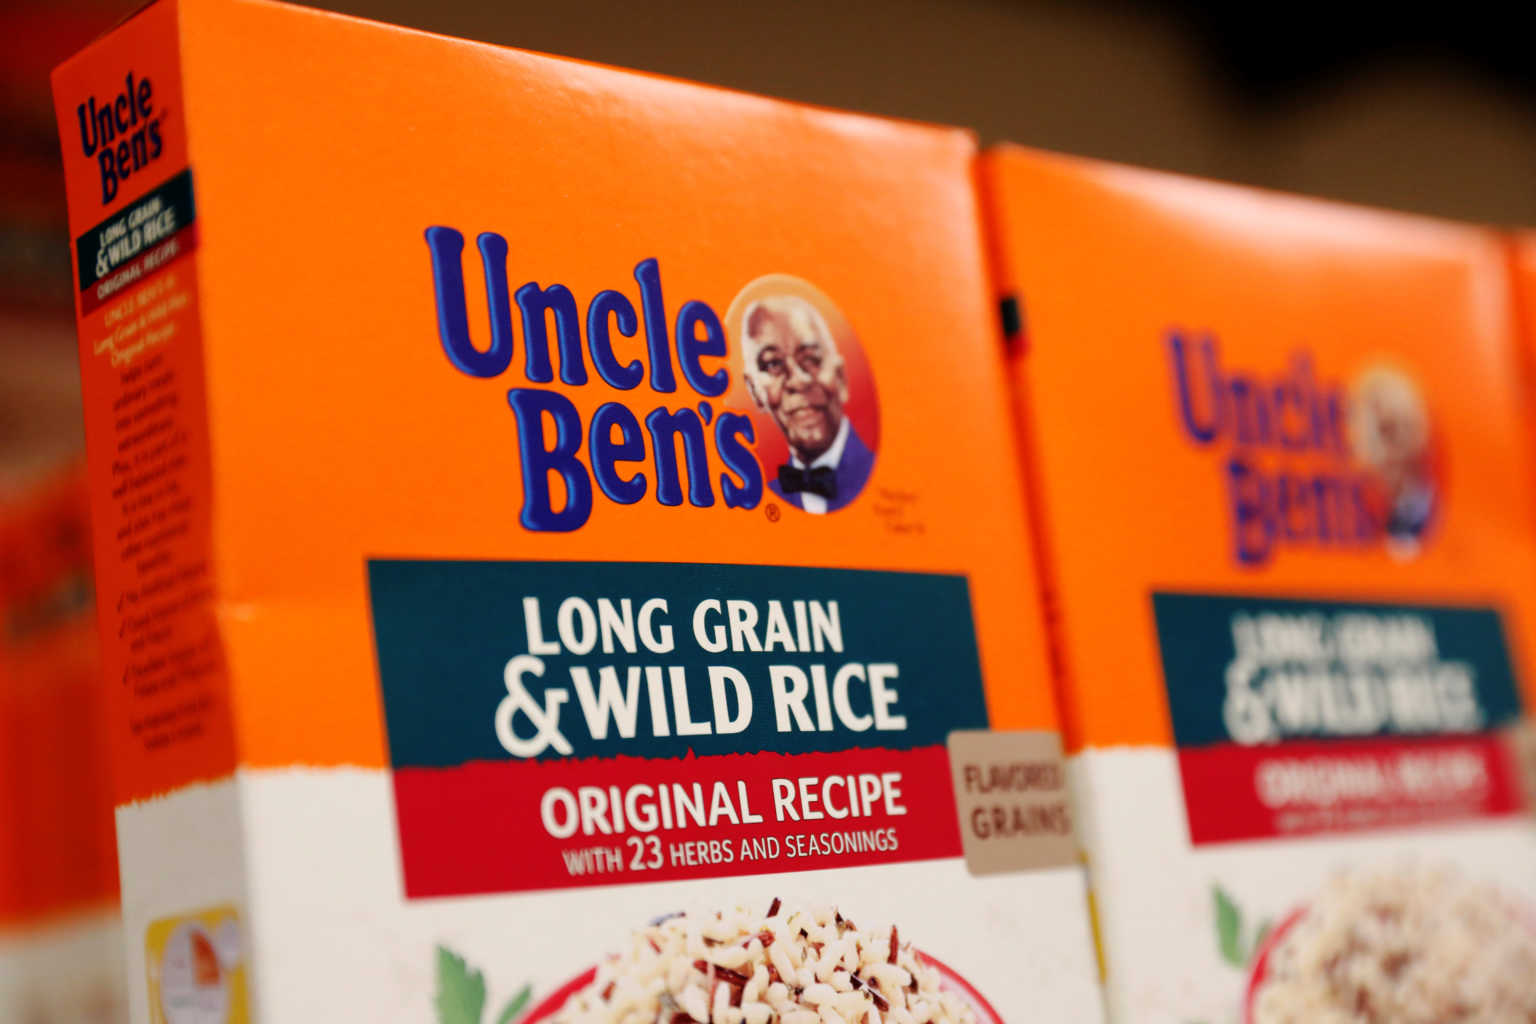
(1011, 795)
(1522, 748)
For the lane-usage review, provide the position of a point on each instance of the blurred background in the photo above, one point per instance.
(1432, 112)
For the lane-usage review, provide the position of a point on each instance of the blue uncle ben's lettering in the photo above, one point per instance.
(553, 440)
(122, 132)
(1289, 470)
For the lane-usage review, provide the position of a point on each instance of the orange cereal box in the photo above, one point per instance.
(1278, 461)
(60, 942)
(560, 543)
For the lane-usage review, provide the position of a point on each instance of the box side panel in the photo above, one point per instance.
(133, 217)
(1013, 314)
(134, 243)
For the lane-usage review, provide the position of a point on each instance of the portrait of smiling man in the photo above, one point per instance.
(795, 374)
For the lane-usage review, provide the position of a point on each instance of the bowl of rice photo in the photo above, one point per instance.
(1408, 945)
(773, 965)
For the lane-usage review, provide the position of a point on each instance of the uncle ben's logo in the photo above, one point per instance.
(1311, 462)
(810, 412)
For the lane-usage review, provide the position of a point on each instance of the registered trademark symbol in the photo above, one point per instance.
(772, 511)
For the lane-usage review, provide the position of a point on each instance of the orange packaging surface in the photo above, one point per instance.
(559, 543)
(60, 944)
(1279, 460)
(1523, 271)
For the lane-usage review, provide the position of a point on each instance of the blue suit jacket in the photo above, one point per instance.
(853, 471)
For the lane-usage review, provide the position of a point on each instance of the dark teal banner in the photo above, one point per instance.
(488, 661)
(1255, 670)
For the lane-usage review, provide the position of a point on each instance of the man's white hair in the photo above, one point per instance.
(803, 318)
(1387, 391)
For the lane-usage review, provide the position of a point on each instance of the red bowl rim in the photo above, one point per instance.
(1258, 972)
(552, 1003)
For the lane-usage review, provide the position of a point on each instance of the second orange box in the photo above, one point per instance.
(1281, 464)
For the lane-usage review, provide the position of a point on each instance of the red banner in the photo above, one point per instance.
(1234, 792)
(511, 826)
(139, 269)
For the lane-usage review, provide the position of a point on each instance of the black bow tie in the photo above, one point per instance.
(820, 480)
